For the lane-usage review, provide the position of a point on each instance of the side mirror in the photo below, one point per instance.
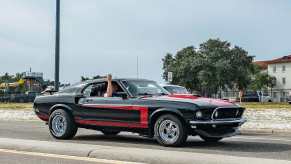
(78, 97)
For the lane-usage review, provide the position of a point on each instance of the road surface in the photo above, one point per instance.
(263, 146)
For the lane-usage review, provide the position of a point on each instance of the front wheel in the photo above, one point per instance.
(211, 139)
(170, 131)
(62, 125)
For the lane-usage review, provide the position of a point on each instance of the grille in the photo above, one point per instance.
(227, 113)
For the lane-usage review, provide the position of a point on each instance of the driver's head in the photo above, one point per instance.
(114, 87)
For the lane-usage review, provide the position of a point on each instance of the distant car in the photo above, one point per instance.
(140, 106)
(256, 96)
(175, 89)
(265, 97)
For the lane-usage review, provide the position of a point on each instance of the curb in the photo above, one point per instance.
(264, 132)
(128, 154)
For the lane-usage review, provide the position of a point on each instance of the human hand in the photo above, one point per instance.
(109, 77)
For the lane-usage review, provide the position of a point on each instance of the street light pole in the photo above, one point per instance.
(57, 46)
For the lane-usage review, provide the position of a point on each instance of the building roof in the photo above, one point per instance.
(264, 64)
(284, 59)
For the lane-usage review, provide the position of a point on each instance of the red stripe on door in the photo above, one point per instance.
(143, 116)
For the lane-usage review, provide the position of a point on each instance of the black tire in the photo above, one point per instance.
(110, 132)
(70, 129)
(181, 136)
(211, 139)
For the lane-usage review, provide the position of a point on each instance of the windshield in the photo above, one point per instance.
(176, 90)
(144, 88)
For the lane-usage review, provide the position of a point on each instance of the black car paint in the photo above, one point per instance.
(126, 114)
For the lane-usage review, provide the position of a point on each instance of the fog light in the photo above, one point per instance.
(199, 114)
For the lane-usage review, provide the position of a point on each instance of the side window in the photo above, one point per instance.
(95, 90)
(274, 68)
(283, 68)
(87, 91)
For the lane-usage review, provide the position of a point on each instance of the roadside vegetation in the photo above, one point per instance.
(266, 105)
(16, 106)
(213, 67)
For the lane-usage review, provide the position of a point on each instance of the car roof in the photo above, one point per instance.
(115, 79)
(171, 85)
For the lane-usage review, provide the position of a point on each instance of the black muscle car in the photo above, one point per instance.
(140, 106)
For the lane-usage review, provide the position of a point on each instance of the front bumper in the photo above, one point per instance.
(216, 128)
(219, 122)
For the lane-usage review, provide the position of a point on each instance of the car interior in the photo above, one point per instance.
(99, 89)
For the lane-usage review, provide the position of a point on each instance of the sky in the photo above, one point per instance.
(107, 36)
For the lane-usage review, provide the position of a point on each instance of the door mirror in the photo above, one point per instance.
(78, 97)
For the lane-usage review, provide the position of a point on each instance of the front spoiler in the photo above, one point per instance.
(217, 128)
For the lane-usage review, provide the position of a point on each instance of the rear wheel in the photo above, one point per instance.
(62, 125)
(211, 139)
(170, 131)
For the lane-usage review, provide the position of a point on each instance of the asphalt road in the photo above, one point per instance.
(17, 158)
(265, 146)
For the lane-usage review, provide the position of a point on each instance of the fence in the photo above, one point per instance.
(276, 95)
(19, 97)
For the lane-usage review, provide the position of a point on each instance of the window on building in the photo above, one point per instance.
(274, 69)
(283, 68)
(284, 80)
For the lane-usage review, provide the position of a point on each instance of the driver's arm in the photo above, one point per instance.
(109, 90)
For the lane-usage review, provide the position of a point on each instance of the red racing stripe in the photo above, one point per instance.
(143, 116)
(110, 123)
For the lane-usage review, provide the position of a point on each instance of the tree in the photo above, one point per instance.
(261, 80)
(213, 67)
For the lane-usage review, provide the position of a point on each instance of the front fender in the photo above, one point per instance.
(61, 106)
(166, 110)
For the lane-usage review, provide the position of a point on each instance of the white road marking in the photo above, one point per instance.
(86, 159)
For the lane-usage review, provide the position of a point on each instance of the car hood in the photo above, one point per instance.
(199, 101)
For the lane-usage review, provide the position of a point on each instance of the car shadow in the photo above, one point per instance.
(129, 139)
(192, 143)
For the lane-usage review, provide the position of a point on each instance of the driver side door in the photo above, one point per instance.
(110, 111)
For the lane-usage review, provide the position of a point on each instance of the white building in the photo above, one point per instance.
(281, 69)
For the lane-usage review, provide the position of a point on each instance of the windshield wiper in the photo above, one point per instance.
(145, 94)
(148, 94)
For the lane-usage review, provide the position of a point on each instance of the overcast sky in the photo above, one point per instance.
(106, 36)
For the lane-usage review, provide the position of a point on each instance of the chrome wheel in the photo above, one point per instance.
(169, 131)
(59, 125)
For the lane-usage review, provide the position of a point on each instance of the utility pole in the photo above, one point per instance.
(57, 46)
(137, 67)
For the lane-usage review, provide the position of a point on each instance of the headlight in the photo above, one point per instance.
(199, 114)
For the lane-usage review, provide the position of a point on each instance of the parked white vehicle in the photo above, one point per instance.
(264, 97)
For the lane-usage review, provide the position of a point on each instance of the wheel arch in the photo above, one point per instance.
(163, 111)
(61, 106)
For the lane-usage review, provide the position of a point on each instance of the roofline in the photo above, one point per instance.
(115, 79)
